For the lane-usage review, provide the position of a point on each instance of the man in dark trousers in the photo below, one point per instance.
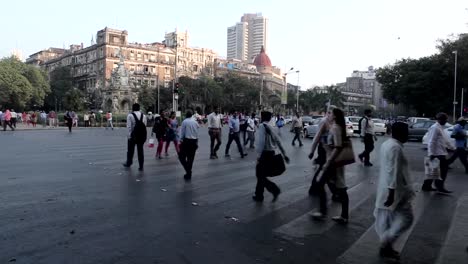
(188, 143)
(234, 131)
(367, 133)
(136, 124)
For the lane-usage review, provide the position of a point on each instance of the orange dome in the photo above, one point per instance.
(262, 59)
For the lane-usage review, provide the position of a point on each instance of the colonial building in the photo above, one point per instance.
(152, 64)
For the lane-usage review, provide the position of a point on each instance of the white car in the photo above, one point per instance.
(312, 129)
(379, 126)
(354, 121)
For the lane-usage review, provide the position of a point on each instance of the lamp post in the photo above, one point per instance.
(297, 91)
(455, 85)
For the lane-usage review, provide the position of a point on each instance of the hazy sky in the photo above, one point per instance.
(325, 40)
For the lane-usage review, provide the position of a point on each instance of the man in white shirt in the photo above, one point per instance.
(189, 143)
(136, 125)
(393, 211)
(251, 131)
(214, 130)
(14, 117)
(297, 129)
(438, 143)
(368, 136)
(86, 119)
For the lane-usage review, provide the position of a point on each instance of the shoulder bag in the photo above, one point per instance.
(276, 165)
(346, 155)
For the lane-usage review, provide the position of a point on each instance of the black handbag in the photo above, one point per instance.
(275, 166)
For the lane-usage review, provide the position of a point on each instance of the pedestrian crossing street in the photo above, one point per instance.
(223, 188)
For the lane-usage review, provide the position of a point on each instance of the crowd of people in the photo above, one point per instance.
(331, 146)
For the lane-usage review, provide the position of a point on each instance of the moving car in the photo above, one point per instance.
(417, 131)
(354, 120)
(307, 120)
(311, 130)
(379, 126)
(414, 120)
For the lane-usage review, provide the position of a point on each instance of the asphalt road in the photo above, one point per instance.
(65, 198)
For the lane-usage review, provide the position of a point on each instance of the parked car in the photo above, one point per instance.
(379, 126)
(287, 119)
(417, 131)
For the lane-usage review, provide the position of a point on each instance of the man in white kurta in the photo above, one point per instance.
(393, 211)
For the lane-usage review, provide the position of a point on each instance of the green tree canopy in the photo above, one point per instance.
(22, 86)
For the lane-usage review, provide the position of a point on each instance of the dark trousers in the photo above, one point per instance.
(7, 123)
(321, 155)
(340, 192)
(250, 138)
(215, 135)
(460, 153)
(297, 135)
(443, 175)
(243, 135)
(234, 137)
(70, 124)
(262, 180)
(188, 147)
(368, 148)
(13, 122)
(131, 151)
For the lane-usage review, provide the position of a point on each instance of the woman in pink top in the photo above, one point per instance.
(7, 120)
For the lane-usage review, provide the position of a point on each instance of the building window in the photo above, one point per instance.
(146, 68)
(153, 82)
(145, 56)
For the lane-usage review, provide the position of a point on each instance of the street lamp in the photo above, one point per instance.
(455, 85)
(297, 91)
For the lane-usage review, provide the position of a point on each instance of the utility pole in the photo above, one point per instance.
(455, 86)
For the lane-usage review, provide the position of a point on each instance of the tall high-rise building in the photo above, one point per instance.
(246, 39)
(237, 41)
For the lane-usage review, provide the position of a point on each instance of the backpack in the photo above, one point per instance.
(280, 123)
(360, 125)
(139, 131)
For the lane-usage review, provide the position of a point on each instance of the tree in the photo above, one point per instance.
(61, 81)
(146, 98)
(74, 100)
(426, 84)
(22, 85)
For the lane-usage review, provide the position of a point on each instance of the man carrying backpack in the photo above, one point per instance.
(136, 124)
(366, 126)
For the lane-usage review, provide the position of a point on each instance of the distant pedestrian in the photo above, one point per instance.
(92, 119)
(366, 127)
(234, 131)
(34, 119)
(279, 123)
(109, 120)
(438, 143)
(214, 131)
(297, 129)
(172, 133)
(243, 126)
(75, 119)
(159, 129)
(43, 119)
(393, 211)
(459, 134)
(52, 118)
(251, 128)
(68, 118)
(2, 118)
(332, 172)
(267, 144)
(86, 119)
(189, 143)
(7, 120)
(24, 119)
(14, 118)
(136, 125)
